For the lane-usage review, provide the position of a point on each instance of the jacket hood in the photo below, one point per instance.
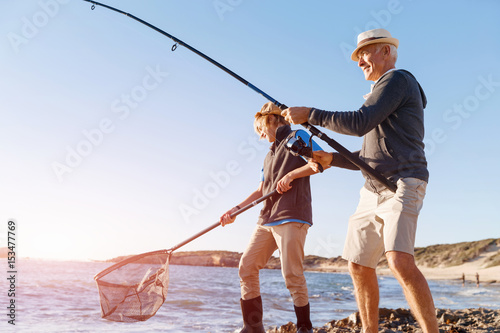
(422, 94)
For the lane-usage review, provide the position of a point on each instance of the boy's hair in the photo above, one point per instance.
(267, 120)
(269, 114)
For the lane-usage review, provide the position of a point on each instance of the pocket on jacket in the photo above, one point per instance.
(386, 148)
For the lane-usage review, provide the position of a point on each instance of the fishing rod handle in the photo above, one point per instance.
(362, 165)
(346, 153)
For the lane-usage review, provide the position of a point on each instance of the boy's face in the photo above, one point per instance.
(267, 132)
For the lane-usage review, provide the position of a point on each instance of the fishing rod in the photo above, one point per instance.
(354, 159)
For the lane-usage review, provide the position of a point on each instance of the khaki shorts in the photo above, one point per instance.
(384, 222)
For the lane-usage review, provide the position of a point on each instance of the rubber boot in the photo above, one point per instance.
(252, 315)
(304, 324)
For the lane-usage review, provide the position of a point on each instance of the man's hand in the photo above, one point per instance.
(296, 115)
(322, 157)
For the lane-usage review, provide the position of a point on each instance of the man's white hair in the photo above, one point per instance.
(394, 52)
(393, 48)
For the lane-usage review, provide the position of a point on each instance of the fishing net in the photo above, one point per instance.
(135, 288)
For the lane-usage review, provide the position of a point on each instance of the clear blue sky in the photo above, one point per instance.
(112, 144)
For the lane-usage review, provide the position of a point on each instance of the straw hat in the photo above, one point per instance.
(268, 108)
(372, 37)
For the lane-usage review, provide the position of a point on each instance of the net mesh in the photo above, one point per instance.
(135, 288)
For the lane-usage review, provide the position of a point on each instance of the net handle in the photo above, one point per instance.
(169, 251)
(215, 225)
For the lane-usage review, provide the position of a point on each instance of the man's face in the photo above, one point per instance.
(372, 61)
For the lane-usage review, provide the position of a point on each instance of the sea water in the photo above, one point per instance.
(56, 296)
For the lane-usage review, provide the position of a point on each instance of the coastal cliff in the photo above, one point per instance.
(444, 261)
(435, 256)
(232, 259)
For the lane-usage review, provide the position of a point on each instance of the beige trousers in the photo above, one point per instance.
(289, 238)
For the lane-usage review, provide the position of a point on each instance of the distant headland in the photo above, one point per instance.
(444, 261)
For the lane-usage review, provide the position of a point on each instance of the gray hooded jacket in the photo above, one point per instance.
(392, 123)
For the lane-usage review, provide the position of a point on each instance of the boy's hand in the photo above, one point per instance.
(226, 218)
(284, 184)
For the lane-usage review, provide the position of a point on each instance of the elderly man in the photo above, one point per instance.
(392, 123)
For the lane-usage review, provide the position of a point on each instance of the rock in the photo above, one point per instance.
(355, 319)
(288, 328)
(448, 318)
(464, 322)
(401, 321)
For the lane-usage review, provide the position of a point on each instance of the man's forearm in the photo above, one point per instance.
(340, 161)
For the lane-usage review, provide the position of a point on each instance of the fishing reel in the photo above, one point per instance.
(298, 147)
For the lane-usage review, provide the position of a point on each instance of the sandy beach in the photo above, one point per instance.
(469, 269)
(486, 275)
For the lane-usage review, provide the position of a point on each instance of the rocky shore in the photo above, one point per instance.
(401, 320)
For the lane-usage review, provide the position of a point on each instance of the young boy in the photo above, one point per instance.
(283, 223)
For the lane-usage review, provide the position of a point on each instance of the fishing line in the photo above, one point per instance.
(354, 159)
